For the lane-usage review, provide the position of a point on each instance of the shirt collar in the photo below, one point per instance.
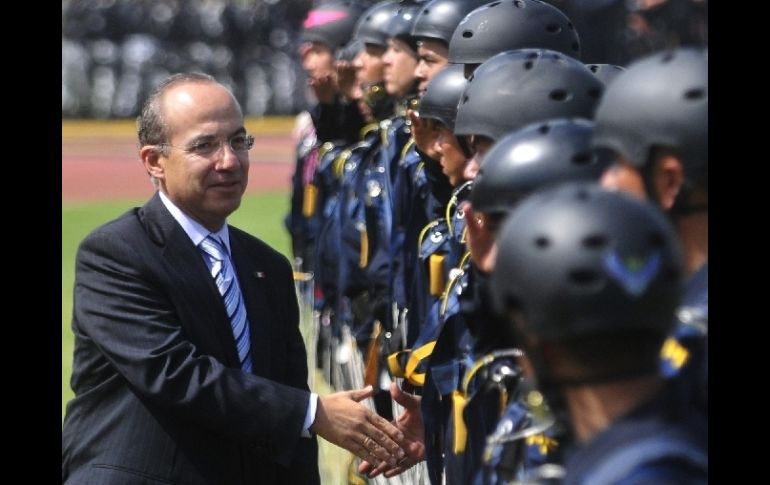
(194, 230)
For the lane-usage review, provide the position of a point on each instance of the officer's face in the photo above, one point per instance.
(369, 66)
(433, 57)
(317, 61)
(400, 62)
(206, 187)
(452, 156)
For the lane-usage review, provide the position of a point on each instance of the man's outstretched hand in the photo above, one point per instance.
(342, 420)
(410, 424)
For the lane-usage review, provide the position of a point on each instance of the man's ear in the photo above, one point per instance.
(153, 161)
(669, 177)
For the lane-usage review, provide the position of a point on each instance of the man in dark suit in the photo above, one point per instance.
(170, 385)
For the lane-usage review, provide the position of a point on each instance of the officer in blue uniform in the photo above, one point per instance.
(654, 121)
(335, 118)
(522, 162)
(590, 279)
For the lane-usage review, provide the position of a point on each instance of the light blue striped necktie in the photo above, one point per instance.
(218, 262)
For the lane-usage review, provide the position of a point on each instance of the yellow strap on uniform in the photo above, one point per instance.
(338, 165)
(406, 148)
(417, 356)
(452, 282)
(363, 259)
(674, 352)
(394, 363)
(461, 432)
(367, 129)
(544, 443)
(436, 272)
(309, 200)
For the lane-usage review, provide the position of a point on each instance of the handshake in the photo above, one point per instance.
(386, 447)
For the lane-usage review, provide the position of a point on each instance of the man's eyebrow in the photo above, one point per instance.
(208, 137)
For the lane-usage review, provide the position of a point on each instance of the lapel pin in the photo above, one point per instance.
(259, 274)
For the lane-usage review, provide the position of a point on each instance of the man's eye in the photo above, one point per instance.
(238, 142)
(202, 147)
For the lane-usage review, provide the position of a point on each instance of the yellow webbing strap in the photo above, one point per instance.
(417, 356)
(436, 272)
(461, 432)
(395, 362)
(363, 259)
(309, 200)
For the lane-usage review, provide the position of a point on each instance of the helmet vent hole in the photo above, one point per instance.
(694, 94)
(595, 92)
(426, 11)
(542, 242)
(518, 3)
(528, 65)
(593, 67)
(582, 158)
(544, 129)
(559, 95)
(467, 34)
(493, 4)
(582, 195)
(576, 47)
(553, 28)
(532, 55)
(595, 241)
(667, 57)
(465, 99)
(583, 277)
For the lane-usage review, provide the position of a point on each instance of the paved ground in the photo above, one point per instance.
(100, 160)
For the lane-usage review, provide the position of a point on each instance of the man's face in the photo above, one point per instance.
(480, 146)
(317, 61)
(206, 187)
(433, 57)
(400, 62)
(369, 66)
(452, 156)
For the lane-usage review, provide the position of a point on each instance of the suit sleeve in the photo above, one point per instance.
(120, 305)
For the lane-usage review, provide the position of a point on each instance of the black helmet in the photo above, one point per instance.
(442, 95)
(512, 24)
(400, 25)
(660, 101)
(370, 28)
(516, 88)
(579, 260)
(439, 18)
(536, 156)
(605, 72)
(331, 23)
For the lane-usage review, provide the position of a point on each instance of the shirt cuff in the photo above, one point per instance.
(312, 405)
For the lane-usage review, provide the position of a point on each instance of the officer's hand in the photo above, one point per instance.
(480, 239)
(342, 420)
(424, 133)
(346, 80)
(410, 423)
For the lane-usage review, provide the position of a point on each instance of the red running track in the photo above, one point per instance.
(108, 167)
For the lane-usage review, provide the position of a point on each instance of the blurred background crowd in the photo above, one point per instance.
(115, 51)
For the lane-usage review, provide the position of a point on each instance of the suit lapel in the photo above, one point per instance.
(191, 278)
(254, 287)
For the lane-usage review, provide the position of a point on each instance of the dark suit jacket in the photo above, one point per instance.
(159, 395)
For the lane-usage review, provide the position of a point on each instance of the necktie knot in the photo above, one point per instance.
(214, 247)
